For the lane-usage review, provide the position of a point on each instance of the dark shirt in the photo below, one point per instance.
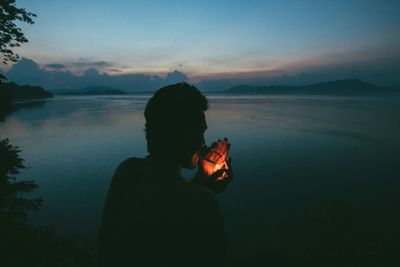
(153, 217)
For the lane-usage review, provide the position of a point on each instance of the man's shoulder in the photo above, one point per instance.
(131, 162)
(126, 169)
(129, 165)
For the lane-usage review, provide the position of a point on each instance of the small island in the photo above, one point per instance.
(24, 92)
(11, 92)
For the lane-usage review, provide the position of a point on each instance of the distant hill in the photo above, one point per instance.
(91, 90)
(351, 86)
(23, 92)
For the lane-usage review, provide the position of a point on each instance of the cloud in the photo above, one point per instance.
(27, 71)
(176, 76)
(55, 66)
(91, 73)
(80, 66)
(92, 64)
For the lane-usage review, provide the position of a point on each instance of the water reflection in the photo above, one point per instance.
(308, 170)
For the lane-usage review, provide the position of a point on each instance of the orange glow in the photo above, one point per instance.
(224, 167)
(215, 160)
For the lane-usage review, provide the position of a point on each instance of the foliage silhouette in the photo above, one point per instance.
(5, 102)
(12, 36)
(12, 205)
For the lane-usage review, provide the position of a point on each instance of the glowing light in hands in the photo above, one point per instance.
(215, 160)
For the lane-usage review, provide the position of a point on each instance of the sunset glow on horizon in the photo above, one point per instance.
(214, 40)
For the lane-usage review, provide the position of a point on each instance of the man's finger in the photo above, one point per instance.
(217, 174)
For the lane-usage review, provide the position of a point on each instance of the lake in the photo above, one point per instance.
(315, 176)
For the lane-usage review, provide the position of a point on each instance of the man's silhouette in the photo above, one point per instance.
(152, 216)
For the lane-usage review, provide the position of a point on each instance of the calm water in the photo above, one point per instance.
(311, 173)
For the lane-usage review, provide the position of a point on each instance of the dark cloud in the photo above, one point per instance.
(55, 66)
(176, 76)
(92, 64)
(26, 71)
(91, 73)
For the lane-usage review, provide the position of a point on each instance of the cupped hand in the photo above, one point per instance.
(215, 157)
(215, 172)
(219, 180)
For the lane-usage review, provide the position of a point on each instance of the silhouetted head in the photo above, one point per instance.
(175, 124)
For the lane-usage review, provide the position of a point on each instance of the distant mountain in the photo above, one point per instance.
(23, 92)
(351, 86)
(91, 90)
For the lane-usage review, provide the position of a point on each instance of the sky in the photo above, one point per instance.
(217, 40)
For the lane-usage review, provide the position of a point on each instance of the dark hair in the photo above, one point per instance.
(175, 120)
